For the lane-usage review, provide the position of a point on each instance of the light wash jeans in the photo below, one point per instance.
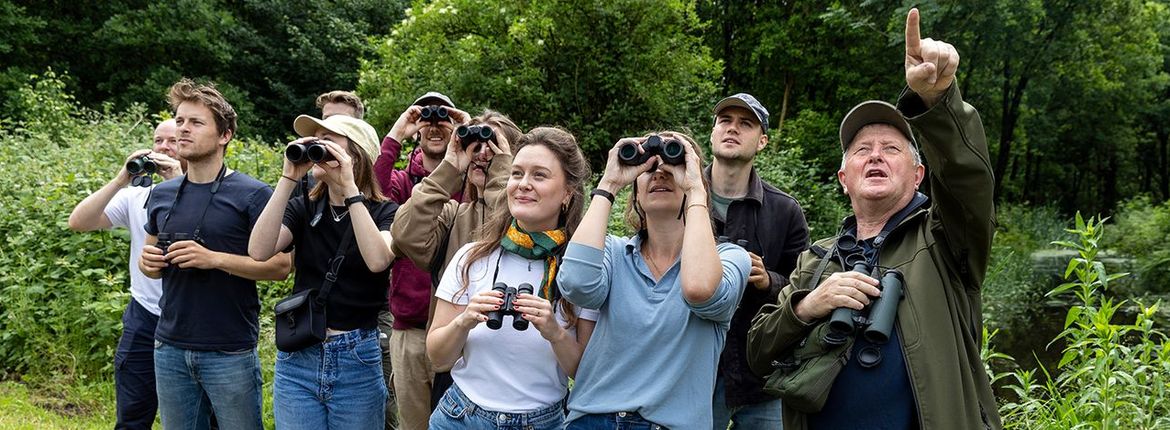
(191, 382)
(457, 412)
(334, 385)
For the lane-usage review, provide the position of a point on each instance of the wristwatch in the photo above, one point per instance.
(355, 199)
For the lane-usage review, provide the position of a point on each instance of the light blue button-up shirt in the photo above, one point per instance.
(651, 352)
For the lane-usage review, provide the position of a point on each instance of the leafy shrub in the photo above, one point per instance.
(1145, 235)
(1111, 375)
(1013, 289)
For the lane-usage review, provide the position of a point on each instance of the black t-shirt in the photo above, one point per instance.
(209, 310)
(358, 294)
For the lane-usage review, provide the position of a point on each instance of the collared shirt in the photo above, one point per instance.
(774, 227)
(652, 352)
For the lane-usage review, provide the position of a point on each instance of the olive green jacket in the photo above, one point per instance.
(943, 251)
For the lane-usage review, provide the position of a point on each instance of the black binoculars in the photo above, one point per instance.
(743, 243)
(165, 240)
(671, 150)
(882, 310)
(496, 318)
(434, 114)
(469, 134)
(311, 151)
(141, 166)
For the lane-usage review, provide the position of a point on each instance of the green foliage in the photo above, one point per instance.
(550, 62)
(271, 58)
(1145, 235)
(1111, 375)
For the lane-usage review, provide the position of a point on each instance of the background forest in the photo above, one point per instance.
(1075, 98)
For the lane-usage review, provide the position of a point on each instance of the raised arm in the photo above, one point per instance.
(950, 133)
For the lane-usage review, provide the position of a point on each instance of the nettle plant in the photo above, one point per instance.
(1111, 375)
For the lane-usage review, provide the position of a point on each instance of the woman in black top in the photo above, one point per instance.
(336, 384)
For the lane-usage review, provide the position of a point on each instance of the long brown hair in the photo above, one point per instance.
(576, 170)
(363, 175)
(635, 217)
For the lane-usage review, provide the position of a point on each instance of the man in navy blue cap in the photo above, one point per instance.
(771, 226)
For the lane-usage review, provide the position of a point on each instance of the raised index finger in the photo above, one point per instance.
(913, 36)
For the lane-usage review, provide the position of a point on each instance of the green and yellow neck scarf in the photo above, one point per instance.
(534, 246)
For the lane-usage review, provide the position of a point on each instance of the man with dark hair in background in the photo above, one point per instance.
(770, 225)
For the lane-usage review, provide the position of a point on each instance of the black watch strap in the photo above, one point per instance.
(603, 193)
(355, 199)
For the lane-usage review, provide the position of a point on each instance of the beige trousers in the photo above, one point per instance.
(413, 377)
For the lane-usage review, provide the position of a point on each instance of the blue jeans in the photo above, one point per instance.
(137, 401)
(766, 415)
(614, 421)
(333, 385)
(457, 412)
(191, 382)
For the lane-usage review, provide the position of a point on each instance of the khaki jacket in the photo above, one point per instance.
(943, 252)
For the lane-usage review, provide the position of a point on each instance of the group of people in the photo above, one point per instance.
(474, 286)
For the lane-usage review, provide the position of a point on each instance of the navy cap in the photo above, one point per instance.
(434, 98)
(746, 101)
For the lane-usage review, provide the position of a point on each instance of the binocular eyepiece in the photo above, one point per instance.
(312, 151)
(434, 114)
(671, 150)
(141, 166)
(496, 318)
(469, 134)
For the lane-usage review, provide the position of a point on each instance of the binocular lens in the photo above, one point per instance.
(295, 153)
(628, 152)
(141, 165)
(317, 153)
(673, 149)
(434, 113)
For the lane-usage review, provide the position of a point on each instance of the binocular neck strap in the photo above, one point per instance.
(179, 194)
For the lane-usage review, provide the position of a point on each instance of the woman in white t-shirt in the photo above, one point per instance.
(508, 376)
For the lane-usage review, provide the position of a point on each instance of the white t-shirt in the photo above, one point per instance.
(505, 370)
(128, 209)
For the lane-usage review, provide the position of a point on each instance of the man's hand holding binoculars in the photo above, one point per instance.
(850, 289)
(412, 119)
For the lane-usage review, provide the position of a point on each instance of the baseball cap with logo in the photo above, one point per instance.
(434, 98)
(873, 112)
(746, 101)
(356, 130)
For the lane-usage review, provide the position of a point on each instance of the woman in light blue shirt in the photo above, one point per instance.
(665, 296)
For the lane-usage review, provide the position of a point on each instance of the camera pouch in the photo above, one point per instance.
(804, 377)
(300, 321)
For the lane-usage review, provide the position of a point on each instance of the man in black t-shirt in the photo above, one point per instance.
(197, 241)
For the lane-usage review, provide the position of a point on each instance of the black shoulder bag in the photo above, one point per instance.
(300, 318)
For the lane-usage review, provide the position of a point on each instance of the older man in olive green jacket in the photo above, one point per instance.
(929, 373)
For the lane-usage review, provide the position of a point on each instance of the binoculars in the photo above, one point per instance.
(671, 150)
(141, 166)
(311, 151)
(165, 240)
(743, 243)
(434, 114)
(469, 134)
(882, 311)
(496, 318)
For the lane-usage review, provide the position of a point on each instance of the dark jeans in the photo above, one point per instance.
(615, 421)
(137, 401)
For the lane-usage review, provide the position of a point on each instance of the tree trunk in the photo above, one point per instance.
(784, 105)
